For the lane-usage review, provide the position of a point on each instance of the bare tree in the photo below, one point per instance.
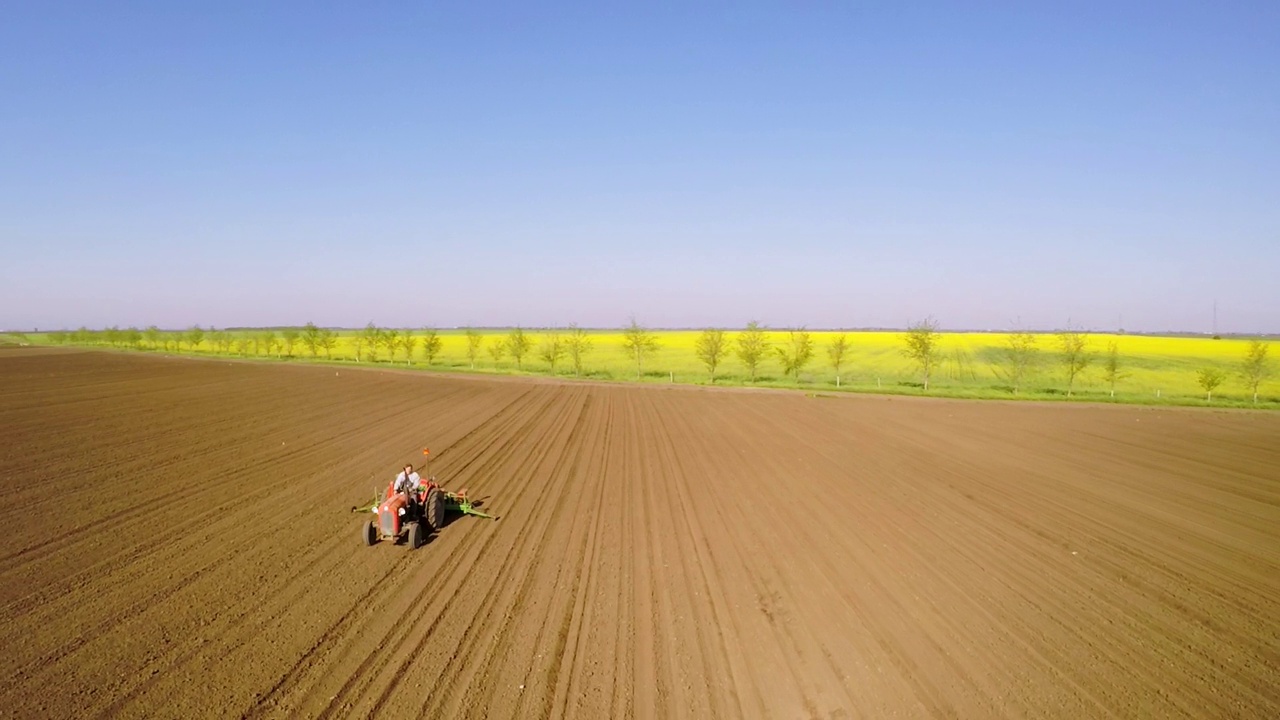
(710, 348)
(796, 352)
(1075, 354)
(518, 343)
(578, 344)
(390, 340)
(366, 342)
(474, 338)
(753, 346)
(497, 350)
(958, 365)
(328, 340)
(357, 342)
(311, 338)
(1210, 379)
(431, 344)
(836, 352)
(638, 343)
(408, 343)
(270, 343)
(922, 346)
(552, 348)
(1255, 368)
(1111, 371)
(290, 337)
(1018, 357)
(193, 336)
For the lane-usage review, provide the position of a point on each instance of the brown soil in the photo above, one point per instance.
(178, 542)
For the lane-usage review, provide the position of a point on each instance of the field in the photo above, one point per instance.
(1154, 370)
(179, 543)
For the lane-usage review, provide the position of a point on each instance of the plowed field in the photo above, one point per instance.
(177, 542)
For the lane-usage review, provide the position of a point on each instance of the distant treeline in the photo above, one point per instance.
(1014, 358)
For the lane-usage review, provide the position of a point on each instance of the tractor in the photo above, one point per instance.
(412, 516)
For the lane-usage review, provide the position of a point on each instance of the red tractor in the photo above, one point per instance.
(414, 515)
(408, 515)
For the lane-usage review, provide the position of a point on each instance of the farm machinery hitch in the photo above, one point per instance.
(453, 502)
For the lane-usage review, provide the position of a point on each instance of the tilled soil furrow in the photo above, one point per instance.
(508, 584)
(360, 686)
(180, 544)
(381, 613)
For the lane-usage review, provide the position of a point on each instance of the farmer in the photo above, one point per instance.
(407, 482)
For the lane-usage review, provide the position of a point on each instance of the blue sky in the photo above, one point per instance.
(820, 164)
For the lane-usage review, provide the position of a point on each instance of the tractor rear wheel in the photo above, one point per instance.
(370, 533)
(417, 534)
(435, 509)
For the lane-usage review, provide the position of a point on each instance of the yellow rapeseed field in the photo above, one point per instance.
(1151, 369)
(967, 362)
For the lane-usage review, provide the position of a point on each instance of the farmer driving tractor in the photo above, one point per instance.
(407, 482)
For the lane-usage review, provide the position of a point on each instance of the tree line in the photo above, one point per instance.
(1020, 354)
(1015, 360)
(278, 343)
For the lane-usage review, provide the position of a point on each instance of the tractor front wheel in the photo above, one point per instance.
(370, 533)
(416, 535)
(435, 509)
